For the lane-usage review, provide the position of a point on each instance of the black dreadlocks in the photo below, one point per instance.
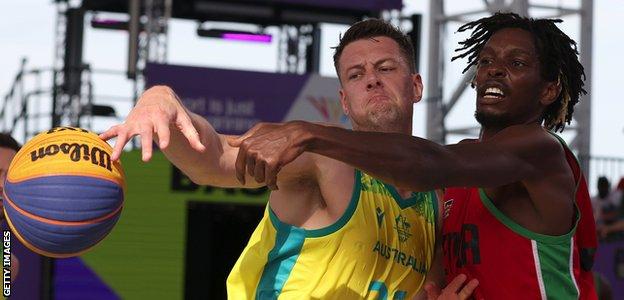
(557, 54)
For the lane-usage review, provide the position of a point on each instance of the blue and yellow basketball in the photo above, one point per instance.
(63, 193)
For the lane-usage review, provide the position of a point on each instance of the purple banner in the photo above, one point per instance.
(610, 263)
(232, 101)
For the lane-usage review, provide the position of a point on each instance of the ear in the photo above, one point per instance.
(550, 92)
(418, 87)
(343, 102)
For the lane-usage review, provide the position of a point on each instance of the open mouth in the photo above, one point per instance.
(494, 93)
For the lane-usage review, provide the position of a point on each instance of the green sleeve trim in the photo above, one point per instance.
(515, 227)
(566, 148)
(341, 222)
(435, 202)
(565, 145)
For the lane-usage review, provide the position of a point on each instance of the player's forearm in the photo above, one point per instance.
(404, 161)
(201, 167)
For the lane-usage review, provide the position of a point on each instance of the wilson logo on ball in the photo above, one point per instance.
(76, 152)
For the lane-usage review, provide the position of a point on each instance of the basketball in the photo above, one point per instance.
(63, 193)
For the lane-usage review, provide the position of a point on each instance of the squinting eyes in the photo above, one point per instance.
(382, 69)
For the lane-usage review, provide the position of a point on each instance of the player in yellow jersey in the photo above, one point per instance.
(329, 230)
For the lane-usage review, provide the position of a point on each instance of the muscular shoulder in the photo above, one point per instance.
(532, 144)
(468, 141)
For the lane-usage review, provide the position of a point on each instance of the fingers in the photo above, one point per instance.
(146, 144)
(234, 141)
(457, 283)
(258, 128)
(237, 141)
(122, 139)
(164, 135)
(241, 163)
(189, 131)
(433, 291)
(271, 176)
(251, 164)
(108, 134)
(259, 171)
(468, 289)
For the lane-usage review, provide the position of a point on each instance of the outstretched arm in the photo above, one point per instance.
(514, 154)
(188, 140)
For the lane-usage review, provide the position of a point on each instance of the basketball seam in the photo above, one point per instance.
(120, 182)
(57, 222)
(46, 253)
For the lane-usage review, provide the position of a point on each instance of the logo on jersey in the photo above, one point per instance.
(403, 228)
(462, 248)
(374, 186)
(380, 215)
(447, 208)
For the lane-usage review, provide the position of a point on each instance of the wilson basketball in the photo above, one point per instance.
(63, 193)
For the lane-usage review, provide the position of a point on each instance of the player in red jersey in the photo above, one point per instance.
(534, 237)
(518, 216)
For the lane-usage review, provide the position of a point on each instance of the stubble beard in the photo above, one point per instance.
(386, 118)
(489, 120)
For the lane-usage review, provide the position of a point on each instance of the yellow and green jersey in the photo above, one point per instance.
(381, 248)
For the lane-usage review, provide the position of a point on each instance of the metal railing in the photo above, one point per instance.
(28, 107)
(607, 166)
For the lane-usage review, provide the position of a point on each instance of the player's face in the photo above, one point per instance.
(510, 89)
(378, 90)
(6, 155)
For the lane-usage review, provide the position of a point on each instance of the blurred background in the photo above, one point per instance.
(238, 62)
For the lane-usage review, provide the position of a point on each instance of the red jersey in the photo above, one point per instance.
(512, 262)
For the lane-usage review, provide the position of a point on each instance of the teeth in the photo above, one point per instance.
(494, 91)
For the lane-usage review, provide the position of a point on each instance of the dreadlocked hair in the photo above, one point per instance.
(557, 54)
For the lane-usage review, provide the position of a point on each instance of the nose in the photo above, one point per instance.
(496, 71)
(373, 81)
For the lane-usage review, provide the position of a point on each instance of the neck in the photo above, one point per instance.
(396, 126)
(488, 132)
(403, 129)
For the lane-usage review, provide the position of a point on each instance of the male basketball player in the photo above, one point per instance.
(330, 231)
(517, 215)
